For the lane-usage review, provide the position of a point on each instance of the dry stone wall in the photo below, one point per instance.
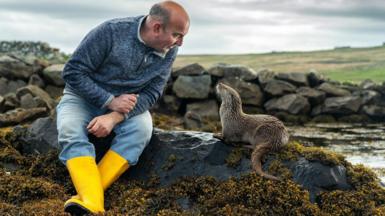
(30, 89)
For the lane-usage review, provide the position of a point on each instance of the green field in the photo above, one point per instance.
(342, 64)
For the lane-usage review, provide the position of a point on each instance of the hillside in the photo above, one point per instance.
(342, 64)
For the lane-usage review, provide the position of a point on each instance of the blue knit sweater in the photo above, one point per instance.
(112, 60)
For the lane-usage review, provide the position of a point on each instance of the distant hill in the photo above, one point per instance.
(342, 64)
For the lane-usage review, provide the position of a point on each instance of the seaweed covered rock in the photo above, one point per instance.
(191, 173)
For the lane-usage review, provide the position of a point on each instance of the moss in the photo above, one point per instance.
(278, 169)
(235, 157)
(323, 119)
(167, 122)
(45, 207)
(170, 162)
(355, 118)
(294, 150)
(16, 189)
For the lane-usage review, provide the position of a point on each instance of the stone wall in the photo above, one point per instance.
(29, 89)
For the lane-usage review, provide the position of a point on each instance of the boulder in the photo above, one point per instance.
(265, 75)
(36, 80)
(374, 111)
(205, 109)
(197, 87)
(279, 87)
(295, 78)
(19, 115)
(171, 103)
(340, 105)
(52, 74)
(315, 78)
(332, 90)
(37, 92)
(189, 70)
(3, 86)
(291, 103)
(172, 155)
(314, 96)
(226, 70)
(368, 96)
(250, 93)
(13, 68)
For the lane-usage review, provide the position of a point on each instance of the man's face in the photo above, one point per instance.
(170, 36)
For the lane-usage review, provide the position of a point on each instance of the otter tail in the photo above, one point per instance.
(256, 161)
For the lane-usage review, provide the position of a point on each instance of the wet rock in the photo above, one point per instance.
(291, 103)
(189, 70)
(317, 177)
(197, 87)
(20, 115)
(227, 70)
(295, 78)
(250, 93)
(52, 74)
(279, 87)
(175, 154)
(40, 137)
(332, 90)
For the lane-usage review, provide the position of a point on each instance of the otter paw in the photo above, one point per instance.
(218, 136)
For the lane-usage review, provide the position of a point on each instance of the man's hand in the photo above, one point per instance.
(101, 126)
(123, 103)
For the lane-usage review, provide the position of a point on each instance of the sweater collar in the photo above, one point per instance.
(141, 20)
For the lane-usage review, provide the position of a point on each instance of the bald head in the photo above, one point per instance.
(169, 12)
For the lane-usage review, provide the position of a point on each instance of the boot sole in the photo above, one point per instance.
(76, 210)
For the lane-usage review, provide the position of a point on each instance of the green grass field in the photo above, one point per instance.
(344, 64)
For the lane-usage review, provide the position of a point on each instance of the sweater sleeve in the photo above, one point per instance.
(154, 89)
(87, 58)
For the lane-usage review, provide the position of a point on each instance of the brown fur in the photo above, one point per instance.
(263, 133)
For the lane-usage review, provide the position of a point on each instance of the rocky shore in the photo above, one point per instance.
(189, 172)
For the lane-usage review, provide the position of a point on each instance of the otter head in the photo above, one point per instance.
(228, 94)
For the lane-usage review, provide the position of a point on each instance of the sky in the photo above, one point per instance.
(217, 26)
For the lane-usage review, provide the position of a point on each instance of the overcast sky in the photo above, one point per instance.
(217, 26)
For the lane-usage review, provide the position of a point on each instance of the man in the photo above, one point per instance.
(115, 75)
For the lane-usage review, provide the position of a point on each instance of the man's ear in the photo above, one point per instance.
(156, 27)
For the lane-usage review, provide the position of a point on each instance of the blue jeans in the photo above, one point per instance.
(73, 116)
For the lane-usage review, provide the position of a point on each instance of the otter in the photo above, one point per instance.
(262, 133)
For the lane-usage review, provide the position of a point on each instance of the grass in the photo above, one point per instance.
(347, 64)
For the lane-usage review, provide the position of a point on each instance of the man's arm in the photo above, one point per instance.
(154, 89)
(86, 60)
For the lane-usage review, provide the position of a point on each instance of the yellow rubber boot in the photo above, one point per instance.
(110, 168)
(86, 179)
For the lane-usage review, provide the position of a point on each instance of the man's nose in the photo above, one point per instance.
(179, 42)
